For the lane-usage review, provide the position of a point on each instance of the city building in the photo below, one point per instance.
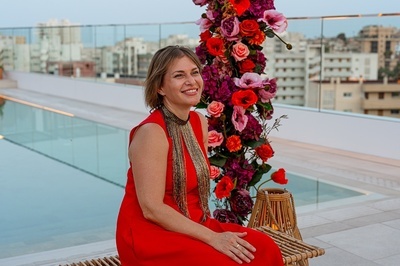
(383, 41)
(363, 97)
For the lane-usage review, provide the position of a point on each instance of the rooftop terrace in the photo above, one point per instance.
(359, 231)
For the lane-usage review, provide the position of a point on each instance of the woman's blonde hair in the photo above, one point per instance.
(158, 67)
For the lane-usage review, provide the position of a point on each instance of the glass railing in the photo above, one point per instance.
(333, 59)
(89, 146)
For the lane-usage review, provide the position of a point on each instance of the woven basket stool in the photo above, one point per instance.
(274, 207)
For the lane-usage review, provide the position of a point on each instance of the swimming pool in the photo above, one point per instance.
(62, 180)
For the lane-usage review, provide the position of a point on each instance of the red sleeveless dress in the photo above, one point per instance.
(140, 242)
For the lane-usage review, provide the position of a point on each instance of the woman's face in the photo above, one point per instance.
(182, 85)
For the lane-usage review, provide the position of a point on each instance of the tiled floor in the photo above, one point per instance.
(362, 231)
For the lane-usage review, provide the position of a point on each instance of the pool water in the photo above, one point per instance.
(62, 180)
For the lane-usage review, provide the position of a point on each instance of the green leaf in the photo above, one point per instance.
(201, 105)
(267, 105)
(255, 143)
(258, 175)
(217, 161)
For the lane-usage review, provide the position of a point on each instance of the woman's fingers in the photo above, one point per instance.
(236, 247)
(246, 245)
(243, 253)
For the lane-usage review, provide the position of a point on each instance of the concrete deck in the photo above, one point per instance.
(358, 231)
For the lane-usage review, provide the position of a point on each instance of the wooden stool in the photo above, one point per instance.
(293, 250)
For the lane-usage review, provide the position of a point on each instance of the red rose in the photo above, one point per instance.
(246, 66)
(265, 152)
(244, 98)
(224, 187)
(205, 35)
(215, 46)
(248, 27)
(280, 177)
(240, 6)
(233, 143)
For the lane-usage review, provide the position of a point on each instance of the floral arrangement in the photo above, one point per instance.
(238, 99)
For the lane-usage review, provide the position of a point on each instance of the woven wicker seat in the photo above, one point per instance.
(293, 250)
(106, 261)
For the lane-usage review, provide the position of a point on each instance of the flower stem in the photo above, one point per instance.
(258, 188)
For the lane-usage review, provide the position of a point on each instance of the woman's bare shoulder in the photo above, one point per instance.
(149, 132)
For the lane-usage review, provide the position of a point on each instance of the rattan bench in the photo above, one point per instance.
(294, 251)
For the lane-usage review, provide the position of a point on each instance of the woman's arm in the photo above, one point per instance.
(148, 153)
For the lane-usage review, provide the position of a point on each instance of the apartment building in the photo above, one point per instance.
(383, 41)
(363, 97)
(381, 99)
(295, 70)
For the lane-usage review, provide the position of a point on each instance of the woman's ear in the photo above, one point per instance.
(161, 92)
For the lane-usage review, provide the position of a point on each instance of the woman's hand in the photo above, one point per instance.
(234, 246)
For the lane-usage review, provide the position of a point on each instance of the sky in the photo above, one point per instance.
(27, 13)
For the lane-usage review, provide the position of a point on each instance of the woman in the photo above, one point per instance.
(164, 217)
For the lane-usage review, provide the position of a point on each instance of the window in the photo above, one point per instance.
(366, 95)
(396, 94)
(374, 47)
(381, 95)
(347, 94)
(395, 112)
(387, 45)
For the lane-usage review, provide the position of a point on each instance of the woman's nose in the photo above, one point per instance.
(190, 80)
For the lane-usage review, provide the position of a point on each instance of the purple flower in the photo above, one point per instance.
(269, 90)
(216, 88)
(241, 202)
(253, 129)
(240, 169)
(201, 53)
(239, 119)
(249, 80)
(225, 216)
(275, 20)
(200, 2)
(230, 28)
(258, 7)
(260, 61)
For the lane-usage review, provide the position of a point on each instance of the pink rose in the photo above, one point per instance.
(215, 108)
(215, 138)
(214, 172)
(240, 51)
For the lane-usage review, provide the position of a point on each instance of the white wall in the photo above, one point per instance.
(373, 135)
(365, 134)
